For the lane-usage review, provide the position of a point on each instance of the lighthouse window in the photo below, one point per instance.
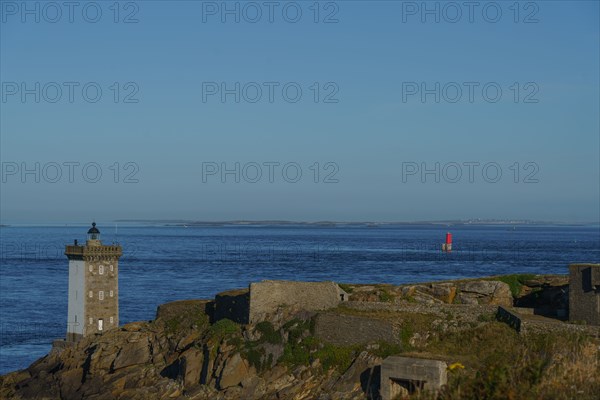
(101, 269)
(101, 295)
(111, 268)
(91, 321)
(91, 294)
(111, 320)
(111, 293)
(91, 268)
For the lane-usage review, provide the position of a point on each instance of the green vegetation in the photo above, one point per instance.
(346, 288)
(385, 296)
(172, 325)
(311, 348)
(494, 362)
(456, 299)
(268, 333)
(338, 357)
(500, 364)
(406, 333)
(409, 298)
(255, 352)
(221, 329)
(295, 354)
(236, 341)
(515, 282)
(182, 322)
(297, 329)
(486, 317)
(385, 349)
(255, 357)
(302, 348)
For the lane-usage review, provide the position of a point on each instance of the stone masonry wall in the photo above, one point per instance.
(584, 293)
(95, 282)
(267, 296)
(345, 330)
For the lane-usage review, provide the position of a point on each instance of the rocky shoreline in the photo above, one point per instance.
(334, 353)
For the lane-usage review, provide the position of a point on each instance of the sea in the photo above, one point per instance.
(166, 263)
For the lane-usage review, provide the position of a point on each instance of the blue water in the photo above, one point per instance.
(162, 264)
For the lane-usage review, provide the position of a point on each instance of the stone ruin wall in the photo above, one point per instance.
(267, 296)
(584, 293)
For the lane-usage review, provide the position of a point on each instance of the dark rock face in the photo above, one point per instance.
(126, 363)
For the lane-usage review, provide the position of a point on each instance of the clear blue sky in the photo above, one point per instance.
(370, 133)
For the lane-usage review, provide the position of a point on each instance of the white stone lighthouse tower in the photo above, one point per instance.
(93, 287)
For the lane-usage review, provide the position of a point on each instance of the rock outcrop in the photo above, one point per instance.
(188, 353)
(458, 292)
(181, 355)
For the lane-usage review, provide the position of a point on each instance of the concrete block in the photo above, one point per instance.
(405, 375)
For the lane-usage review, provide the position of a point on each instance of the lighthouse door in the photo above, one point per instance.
(100, 323)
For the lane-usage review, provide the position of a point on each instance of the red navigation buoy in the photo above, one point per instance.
(448, 245)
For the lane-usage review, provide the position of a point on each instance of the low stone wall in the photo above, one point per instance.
(525, 322)
(267, 296)
(470, 310)
(345, 330)
(512, 319)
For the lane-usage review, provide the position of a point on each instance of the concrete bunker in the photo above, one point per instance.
(264, 298)
(404, 387)
(401, 376)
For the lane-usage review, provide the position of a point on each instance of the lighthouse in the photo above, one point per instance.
(93, 286)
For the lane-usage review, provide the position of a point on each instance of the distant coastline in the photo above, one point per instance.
(471, 222)
(508, 224)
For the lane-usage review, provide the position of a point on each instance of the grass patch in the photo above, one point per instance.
(222, 328)
(257, 357)
(456, 299)
(346, 288)
(236, 341)
(500, 364)
(486, 317)
(182, 322)
(386, 349)
(409, 298)
(406, 333)
(476, 343)
(172, 325)
(297, 329)
(255, 353)
(515, 282)
(268, 333)
(385, 296)
(295, 354)
(338, 357)
(310, 348)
